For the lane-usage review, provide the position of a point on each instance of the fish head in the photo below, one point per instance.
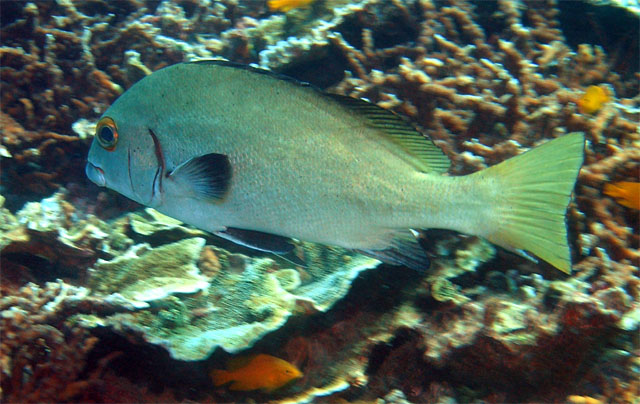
(125, 156)
(286, 373)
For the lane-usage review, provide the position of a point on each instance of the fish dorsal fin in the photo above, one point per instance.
(239, 362)
(253, 69)
(428, 157)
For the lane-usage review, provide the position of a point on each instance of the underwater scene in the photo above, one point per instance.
(320, 201)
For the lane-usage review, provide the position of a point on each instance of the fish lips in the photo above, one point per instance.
(95, 174)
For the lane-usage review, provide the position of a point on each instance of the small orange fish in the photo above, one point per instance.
(593, 99)
(287, 5)
(625, 193)
(256, 372)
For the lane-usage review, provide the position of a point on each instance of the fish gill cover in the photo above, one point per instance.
(486, 80)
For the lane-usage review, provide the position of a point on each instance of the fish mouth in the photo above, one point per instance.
(95, 174)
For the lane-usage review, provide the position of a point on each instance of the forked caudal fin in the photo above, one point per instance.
(534, 190)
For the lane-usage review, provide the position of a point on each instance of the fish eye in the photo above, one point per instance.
(107, 133)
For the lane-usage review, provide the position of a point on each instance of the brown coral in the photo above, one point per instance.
(43, 356)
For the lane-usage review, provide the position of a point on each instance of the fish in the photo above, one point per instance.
(256, 372)
(263, 160)
(625, 193)
(287, 5)
(593, 99)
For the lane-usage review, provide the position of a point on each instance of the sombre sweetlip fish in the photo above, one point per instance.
(258, 159)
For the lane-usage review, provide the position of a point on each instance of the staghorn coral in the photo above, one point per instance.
(42, 354)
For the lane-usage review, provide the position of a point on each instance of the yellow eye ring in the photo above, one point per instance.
(107, 133)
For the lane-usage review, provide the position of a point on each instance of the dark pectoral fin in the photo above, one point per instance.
(258, 240)
(208, 176)
(403, 250)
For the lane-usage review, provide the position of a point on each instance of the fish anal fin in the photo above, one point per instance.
(220, 377)
(404, 249)
(427, 157)
(207, 176)
(258, 240)
(240, 386)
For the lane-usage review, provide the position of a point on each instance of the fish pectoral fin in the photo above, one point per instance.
(220, 377)
(258, 240)
(404, 249)
(207, 176)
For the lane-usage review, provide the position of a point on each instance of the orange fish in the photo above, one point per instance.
(625, 193)
(256, 372)
(593, 99)
(287, 5)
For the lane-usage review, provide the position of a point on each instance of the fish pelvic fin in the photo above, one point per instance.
(220, 377)
(404, 249)
(532, 192)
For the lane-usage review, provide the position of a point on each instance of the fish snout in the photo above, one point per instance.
(95, 174)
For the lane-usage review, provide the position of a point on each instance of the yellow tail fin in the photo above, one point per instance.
(534, 190)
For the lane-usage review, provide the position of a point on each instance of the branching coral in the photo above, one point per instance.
(43, 355)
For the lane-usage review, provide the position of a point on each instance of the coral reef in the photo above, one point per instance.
(43, 355)
(142, 275)
(486, 80)
(52, 236)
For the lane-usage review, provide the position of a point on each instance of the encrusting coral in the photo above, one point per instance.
(244, 299)
(142, 274)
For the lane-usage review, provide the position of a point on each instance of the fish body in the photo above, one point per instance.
(259, 372)
(626, 193)
(593, 99)
(287, 5)
(258, 159)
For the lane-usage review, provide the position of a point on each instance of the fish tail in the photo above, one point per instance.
(613, 190)
(220, 377)
(532, 193)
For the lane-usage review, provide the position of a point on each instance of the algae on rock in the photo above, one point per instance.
(143, 274)
(248, 298)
